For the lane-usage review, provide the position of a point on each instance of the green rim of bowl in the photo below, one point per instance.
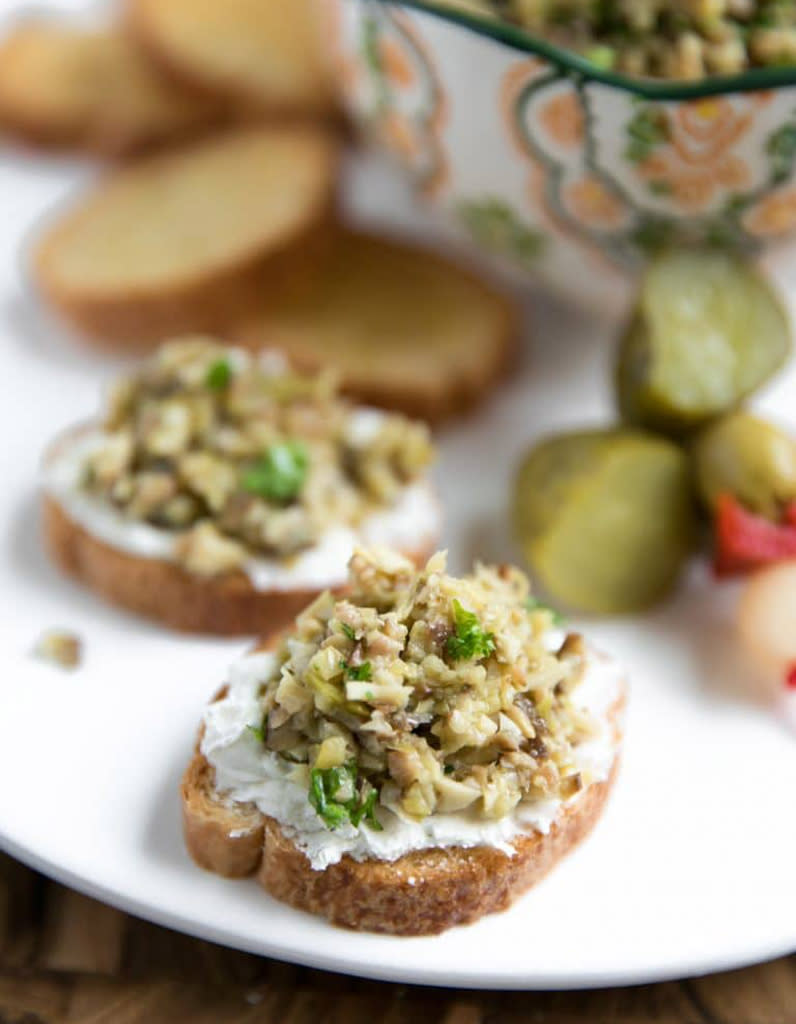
(519, 39)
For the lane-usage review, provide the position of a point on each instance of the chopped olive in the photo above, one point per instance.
(750, 459)
(605, 517)
(706, 332)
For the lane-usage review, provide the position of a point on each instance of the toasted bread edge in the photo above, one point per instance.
(422, 893)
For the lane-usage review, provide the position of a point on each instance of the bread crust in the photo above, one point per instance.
(136, 319)
(435, 404)
(227, 605)
(422, 893)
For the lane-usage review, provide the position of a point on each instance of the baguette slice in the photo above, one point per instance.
(406, 329)
(62, 86)
(176, 242)
(266, 55)
(422, 893)
(226, 605)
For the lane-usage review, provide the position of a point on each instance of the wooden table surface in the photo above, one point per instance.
(67, 958)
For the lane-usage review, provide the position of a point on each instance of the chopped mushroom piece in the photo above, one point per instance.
(60, 647)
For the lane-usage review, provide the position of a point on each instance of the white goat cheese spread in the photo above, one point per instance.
(245, 772)
(411, 524)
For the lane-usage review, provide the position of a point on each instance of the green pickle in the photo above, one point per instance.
(707, 331)
(605, 518)
(749, 458)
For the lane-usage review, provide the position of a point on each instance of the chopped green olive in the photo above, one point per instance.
(279, 474)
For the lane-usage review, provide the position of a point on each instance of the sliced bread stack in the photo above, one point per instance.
(234, 232)
(404, 328)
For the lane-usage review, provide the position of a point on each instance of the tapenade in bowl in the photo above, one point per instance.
(220, 492)
(572, 139)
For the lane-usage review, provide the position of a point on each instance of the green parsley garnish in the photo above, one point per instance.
(348, 631)
(366, 810)
(533, 604)
(279, 474)
(326, 784)
(259, 730)
(361, 673)
(218, 375)
(470, 640)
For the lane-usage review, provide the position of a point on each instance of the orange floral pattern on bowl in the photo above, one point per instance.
(773, 215)
(573, 176)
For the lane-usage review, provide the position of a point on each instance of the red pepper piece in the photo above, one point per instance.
(745, 541)
(790, 514)
(790, 677)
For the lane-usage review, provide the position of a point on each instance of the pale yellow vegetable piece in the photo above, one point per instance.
(767, 624)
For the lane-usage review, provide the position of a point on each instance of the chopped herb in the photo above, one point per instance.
(361, 673)
(367, 811)
(603, 57)
(449, 769)
(349, 632)
(259, 730)
(470, 640)
(368, 694)
(325, 786)
(279, 475)
(533, 604)
(218, 375)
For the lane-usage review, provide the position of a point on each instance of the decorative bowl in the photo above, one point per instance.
(571, 172)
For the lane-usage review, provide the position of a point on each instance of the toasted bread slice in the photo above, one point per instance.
(265, 54)
(405, 328)
(63, 86)
(421, 893)
(227, 605)
(176, 242)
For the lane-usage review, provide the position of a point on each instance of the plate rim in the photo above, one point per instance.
(545, 982)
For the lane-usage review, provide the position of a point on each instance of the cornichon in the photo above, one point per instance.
(749, 458)
(706, 332)
(605, 518)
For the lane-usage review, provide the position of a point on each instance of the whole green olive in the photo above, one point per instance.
(605, 517)
(707, 330)
(748, 457)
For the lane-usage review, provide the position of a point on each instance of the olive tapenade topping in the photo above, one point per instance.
(240, 457)
(423, 694)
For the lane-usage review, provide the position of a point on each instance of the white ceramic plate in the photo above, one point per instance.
(691, 868)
